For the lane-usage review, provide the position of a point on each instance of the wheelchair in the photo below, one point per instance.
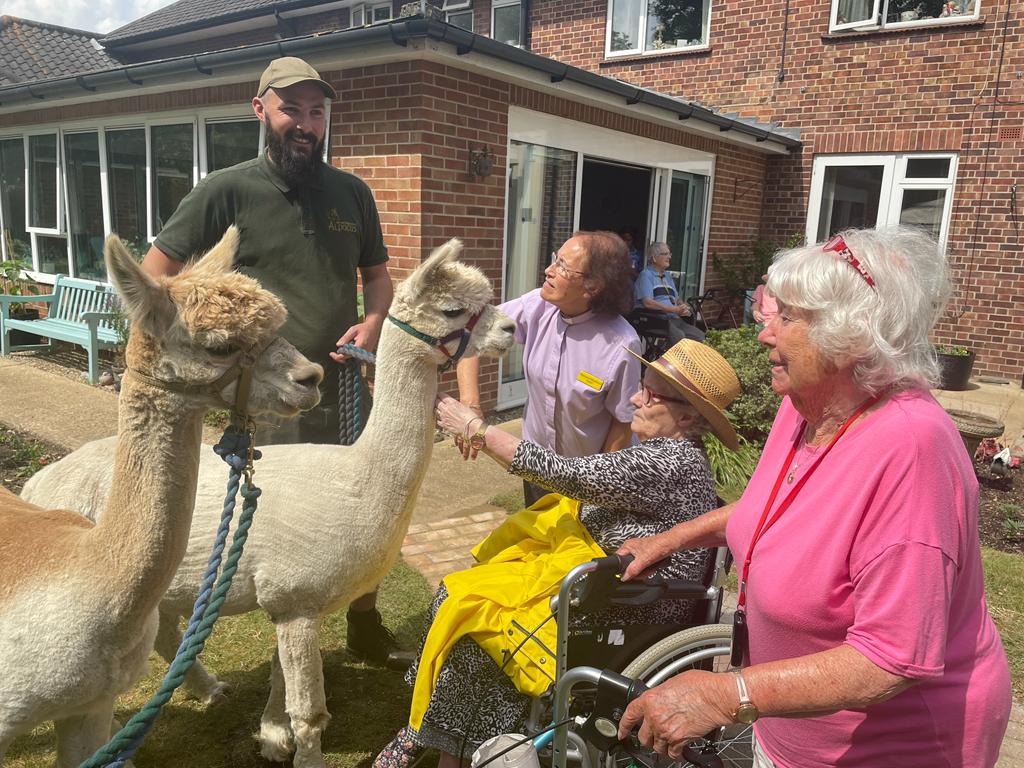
(599, 671)
(652, 328)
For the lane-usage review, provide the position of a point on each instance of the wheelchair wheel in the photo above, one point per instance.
(706, 647)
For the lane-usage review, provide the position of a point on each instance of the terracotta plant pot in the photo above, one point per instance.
(955, 371)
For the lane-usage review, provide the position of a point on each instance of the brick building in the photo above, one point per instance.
(457, 133)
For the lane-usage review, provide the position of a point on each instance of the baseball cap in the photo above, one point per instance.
(290, 70)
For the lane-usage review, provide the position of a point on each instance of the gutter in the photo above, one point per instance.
(238, 60)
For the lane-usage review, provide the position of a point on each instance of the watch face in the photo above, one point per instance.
(746, 714)
(477, 442)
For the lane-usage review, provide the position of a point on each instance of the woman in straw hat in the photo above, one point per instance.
(861, 616)
(460, 692)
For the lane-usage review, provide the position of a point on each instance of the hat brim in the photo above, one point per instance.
(717, 419)
(284, 82)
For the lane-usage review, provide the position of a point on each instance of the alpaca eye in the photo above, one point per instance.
(221, 350)
(453, 312)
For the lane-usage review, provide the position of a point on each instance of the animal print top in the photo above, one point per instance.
(639, 491)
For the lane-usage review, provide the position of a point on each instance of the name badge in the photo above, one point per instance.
(590, 380)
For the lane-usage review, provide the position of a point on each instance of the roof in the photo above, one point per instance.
(187, 15)
(32, 50)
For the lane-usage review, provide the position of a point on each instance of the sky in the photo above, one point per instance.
(91, 15)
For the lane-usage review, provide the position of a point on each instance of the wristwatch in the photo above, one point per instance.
(477, 441)
(747, 711)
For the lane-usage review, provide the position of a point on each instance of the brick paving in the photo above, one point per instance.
(439, 547)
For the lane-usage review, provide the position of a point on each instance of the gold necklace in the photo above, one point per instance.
(792, 472)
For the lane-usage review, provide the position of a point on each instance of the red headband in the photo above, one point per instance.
(842, 250)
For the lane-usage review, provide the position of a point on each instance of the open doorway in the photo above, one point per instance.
(616, 197)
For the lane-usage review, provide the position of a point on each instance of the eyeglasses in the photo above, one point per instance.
(647, 395)
(562, 268)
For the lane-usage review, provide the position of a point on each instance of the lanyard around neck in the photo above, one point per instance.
(765, 523)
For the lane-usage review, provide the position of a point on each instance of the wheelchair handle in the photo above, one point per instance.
(617, 563)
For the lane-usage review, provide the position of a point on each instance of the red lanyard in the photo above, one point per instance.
(762, 526)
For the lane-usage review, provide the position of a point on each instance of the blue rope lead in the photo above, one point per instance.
(235, 447)
(350, 393)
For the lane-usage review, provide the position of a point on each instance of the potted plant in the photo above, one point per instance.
(13, 283)
(955, 366)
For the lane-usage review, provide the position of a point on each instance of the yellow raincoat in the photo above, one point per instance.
(506, 595)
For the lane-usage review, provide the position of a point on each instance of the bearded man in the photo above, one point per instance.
(306, 229)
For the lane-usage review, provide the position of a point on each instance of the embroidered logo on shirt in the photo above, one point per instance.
(336, 224)
(590, 380)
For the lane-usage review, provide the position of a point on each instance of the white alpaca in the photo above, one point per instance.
(331, 519)
(77, 601)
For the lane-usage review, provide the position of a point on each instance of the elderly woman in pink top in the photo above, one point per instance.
(862, 625)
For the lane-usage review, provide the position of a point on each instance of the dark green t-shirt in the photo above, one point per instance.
(302, 244)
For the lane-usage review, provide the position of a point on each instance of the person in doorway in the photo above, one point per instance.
(861, 621)
(655, 290)
(579, 373)
(306, 230)
(636, 256)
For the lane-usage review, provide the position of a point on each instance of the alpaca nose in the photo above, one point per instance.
(309, 375)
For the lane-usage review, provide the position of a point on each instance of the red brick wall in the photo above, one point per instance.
(891, 91)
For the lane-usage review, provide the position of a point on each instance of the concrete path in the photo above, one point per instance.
(453, 512)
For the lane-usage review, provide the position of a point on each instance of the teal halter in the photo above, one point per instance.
(462, 334)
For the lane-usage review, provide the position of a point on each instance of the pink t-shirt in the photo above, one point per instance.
(878, 551)
(766, 302)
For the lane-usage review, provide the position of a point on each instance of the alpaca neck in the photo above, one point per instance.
(402, 424)
(142, 536)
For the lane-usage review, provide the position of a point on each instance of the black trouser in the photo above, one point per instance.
(680, 328)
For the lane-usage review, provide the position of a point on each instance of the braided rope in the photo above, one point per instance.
(350, 393)
(234, 448)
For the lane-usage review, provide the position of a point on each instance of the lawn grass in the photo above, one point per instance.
(368, 704)
(511, 501)
(1004, 586)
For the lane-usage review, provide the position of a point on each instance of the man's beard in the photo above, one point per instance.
(297, 167)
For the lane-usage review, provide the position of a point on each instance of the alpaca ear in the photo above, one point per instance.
(445, 254)
(145, 302)
(220, 258)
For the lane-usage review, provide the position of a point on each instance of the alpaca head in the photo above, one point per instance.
(442, 295)
(189, 330)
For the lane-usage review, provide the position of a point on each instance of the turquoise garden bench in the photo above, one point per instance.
(79, 312)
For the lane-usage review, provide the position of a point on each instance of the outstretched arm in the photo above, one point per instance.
(377, 295)
(707, 530)
(159, 264)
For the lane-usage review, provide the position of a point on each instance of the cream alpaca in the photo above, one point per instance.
(331, 519)
(77, 601)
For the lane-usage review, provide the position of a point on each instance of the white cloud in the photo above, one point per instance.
(100, 16)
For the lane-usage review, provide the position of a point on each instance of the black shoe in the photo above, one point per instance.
(368, 638)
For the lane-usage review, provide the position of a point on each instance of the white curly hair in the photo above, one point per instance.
(885, 329)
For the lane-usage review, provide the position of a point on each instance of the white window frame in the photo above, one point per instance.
(448, 17)
(880, 11)
(522, 26)
(642, 35)
(4, 255)
(234, 117)
(101, 138)
(372, 9)
(357, 11)
(58, 229)
(456, 5)
(894, 184)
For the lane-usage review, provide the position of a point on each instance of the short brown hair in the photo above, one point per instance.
(608, 272)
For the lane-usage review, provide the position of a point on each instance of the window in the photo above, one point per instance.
(43, 180)
(650, 26)
(126, 186)
(53, 255)
(85, 203)
(463, 19)
(231, 142)
(881, 190)
(380, 13)
(851, 14)
(16, 242)
(357, 16)
(507, 22)
(172, 167)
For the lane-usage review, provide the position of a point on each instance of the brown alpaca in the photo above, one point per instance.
(78, 602)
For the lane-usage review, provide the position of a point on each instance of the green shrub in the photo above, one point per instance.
(753, 412)
(732, 469)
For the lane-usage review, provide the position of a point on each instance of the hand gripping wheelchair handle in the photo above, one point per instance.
(602, 588)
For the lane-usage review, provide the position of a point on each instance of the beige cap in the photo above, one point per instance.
(705, 378)
(290, 70)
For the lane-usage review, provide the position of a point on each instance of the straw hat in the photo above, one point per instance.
(705, 379)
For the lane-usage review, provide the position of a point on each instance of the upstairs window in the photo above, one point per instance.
(507, 22)
(872, 14)
(653, 26)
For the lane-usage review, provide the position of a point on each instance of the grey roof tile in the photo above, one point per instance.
(190, 14)
(34, 50)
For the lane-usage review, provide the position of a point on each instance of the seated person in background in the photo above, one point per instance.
(579, 375)
(460, 690)
(655, 290)
(636, 257)
(764, 306)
